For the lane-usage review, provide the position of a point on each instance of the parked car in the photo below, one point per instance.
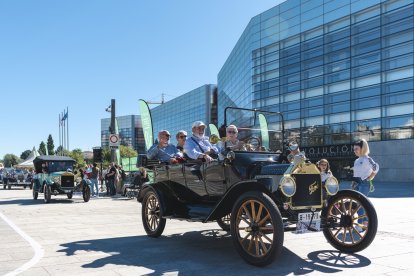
(257, 195)
(54, 176)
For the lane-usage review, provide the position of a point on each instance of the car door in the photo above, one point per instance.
(214, 178)
(194, 177)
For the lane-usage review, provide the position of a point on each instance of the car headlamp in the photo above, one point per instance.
(56, 179)
(331, 185)
(287, 186)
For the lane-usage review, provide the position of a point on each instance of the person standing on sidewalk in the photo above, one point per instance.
(94, 179)
(365, 168)
(111, 179)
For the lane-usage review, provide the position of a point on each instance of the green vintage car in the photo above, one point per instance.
(54, 176)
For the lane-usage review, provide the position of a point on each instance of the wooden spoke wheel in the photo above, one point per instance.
(224, 222)
(351, 221)
(257, 228)
(86, 193)
(152, 219)
(47, 193)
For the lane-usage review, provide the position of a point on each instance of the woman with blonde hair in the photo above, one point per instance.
(365, 168)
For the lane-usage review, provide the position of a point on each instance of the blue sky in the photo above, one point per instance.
(81, 53)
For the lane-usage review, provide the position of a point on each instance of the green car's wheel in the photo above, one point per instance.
(351, 221)
(257, 228)
(47, 193)
(224, 222)
(35, 194)
(152, 219)
(86, 193)
(70, 195)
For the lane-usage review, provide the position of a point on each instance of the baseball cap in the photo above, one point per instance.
(198, 124)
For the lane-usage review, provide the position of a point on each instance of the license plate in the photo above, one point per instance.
(304, 220)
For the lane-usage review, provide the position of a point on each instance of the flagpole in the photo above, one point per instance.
(63, 132)
(59, 134)
(67, 118)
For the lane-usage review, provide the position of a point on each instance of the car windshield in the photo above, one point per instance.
(58, 166)
(250, 130)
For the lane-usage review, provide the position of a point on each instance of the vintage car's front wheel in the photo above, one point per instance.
(224, 222)
(47, 193)
(351, 221)
(86, 193)
(152, 219)
(257, 228)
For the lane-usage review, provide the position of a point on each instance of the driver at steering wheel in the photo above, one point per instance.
(198, 145)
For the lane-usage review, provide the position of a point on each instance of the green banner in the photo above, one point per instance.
(146, 122)
(213, 129)
(264, 131)
(129, 164)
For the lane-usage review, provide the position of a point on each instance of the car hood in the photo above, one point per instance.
(60, 173)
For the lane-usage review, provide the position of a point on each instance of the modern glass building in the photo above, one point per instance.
(339, 70)
(130, 132)
(179, 113)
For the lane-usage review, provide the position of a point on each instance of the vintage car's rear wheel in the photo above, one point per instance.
(257, 228)
(351, 221)
(224, 222)
(152, 219)
(86, 193)
(35, 194)
(47, 193)
(70, 195)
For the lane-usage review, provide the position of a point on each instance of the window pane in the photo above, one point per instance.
(391, 134)
(398, 38)
(399, 121)
(366, 70)
(400, 73)
(402, 97)
(315, 101)
(313, 92)
(397, 62)
(340, 86)
(367, 58)
(366, 114)
(366, 25)
(337, 97)
(366, 103)
(337, 118)
(366, 47)
(313, 121)
(367, 80)
(398, 109)
(397, 26)
(338, 76)
(338, 107)
(398, 50)
(396, 86)
(366, 125)
(369, 91)
(338, 66)
(316, 111)
(366, 36)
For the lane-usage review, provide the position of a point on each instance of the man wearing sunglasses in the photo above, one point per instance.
(164, 151)
(198, 146)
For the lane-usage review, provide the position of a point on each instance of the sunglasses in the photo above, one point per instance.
(167, 135)
(182, 136)
(231, 132)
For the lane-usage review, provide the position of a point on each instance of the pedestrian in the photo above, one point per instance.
(111, 179)
(325, 169)
(94, 179)
(121, 178)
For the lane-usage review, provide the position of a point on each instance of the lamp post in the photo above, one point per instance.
(111, 109)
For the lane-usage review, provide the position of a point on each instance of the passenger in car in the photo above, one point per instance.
(181, 136)
(324, 168)
(231, 140)
(164, 151)
(198, 145)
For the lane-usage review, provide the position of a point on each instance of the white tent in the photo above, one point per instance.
(28, 163)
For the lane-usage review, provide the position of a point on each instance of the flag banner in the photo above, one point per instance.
(213, 130)
(146, 123)
(264, 131)
(129, 164)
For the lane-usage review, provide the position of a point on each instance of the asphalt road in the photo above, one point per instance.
(105, 237)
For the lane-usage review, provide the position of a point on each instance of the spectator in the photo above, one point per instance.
(93, 176)
(325, 169)
(198, 145)
(164, 151)
(111, 179)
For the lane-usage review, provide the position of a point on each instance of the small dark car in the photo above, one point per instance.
(54, 177)
(257, 195)
(13, 177)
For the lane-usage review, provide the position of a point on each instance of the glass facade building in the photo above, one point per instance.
(339, 70)
(130, 132)
(179, 113)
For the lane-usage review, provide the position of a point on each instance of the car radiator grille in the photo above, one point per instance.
(308, 190)
(67, 181)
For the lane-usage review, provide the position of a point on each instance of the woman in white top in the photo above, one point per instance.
(325, 169)
(365, 168)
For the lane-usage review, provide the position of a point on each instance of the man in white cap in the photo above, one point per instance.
(198, 146)
(164, 151)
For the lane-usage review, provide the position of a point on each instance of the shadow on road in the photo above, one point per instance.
(30, 201)
(203, 252)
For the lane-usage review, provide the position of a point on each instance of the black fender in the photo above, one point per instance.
(168, 201)
(225, 205)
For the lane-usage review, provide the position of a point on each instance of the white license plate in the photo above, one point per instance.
(304, 220)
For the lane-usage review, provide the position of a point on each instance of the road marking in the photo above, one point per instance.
(39, 252)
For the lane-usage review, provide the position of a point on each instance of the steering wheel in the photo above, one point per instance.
(252, 143)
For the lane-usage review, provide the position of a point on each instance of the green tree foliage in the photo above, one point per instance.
(50, 145)
(25, 154)
(10, 160)
(42, 148)
(126, 151)
(78, 156)
(59, 151)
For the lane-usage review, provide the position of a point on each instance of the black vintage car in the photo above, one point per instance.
(257, 195)
(54, 176)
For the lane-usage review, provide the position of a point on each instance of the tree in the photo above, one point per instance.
(50, 145)
(10, 160)
(78, 156)
(25, 154)
(42, 148)
(127, 152)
